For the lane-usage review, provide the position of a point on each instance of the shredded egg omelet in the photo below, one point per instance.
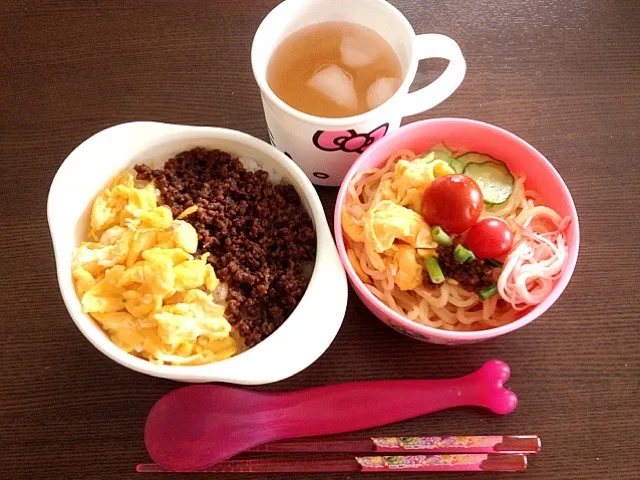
(140, 281)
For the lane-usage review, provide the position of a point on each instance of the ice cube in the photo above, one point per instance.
(355, 53)
(336, 84)
(381, 90)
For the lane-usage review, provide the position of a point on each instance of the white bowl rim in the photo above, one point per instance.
(308, 331)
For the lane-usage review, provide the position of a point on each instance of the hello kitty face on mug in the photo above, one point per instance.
(348, 140)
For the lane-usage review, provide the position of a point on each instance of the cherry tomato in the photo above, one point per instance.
(489, 238)
(453, 202)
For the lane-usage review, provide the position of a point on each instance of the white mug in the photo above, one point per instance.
(325, 148)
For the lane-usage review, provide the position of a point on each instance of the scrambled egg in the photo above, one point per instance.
(142, 284)
(411, 178)
(387, 222)
(394, 233)
(408, 271)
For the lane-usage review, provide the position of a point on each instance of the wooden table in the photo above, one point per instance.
(563, 75)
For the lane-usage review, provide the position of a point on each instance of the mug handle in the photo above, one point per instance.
(434, 45)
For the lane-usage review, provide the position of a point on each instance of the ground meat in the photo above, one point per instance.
(474, 275)
(260, 237)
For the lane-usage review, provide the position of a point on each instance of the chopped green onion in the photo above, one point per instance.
(488, 292)
(495, 263)
(462, 254)
(434, 270)
(440, 236)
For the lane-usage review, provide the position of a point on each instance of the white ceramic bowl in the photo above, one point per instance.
(304, 336)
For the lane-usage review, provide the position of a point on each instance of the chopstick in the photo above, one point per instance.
(473, 462)
(529, 444)
(466, 453)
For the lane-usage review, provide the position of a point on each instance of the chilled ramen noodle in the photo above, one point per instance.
(522, 281)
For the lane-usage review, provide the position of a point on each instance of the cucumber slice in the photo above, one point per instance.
(442, 152)
(493, 178)
(457, 165)
(439, 152)
(474, 157)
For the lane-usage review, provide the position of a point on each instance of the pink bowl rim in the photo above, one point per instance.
(433, 332)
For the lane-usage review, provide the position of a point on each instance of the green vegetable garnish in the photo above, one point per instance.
(457, 165)
(463, 254)
(434, 270)
(442, 152)
(493, 178)
(495, 263)
(440, 236)
(488, 292)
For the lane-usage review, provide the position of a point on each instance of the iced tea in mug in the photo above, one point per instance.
(334, 69)
(334, 78)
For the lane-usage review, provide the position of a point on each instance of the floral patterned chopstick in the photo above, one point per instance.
(466, 453)
(473, 462)
(529, 444)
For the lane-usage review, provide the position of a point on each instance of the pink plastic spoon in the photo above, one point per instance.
(195, 427)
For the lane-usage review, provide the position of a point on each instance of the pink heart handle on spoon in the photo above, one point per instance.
(198, 426)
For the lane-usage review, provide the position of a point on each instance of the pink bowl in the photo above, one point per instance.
(480, 137)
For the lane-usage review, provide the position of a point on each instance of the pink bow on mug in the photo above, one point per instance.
(348, 140)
